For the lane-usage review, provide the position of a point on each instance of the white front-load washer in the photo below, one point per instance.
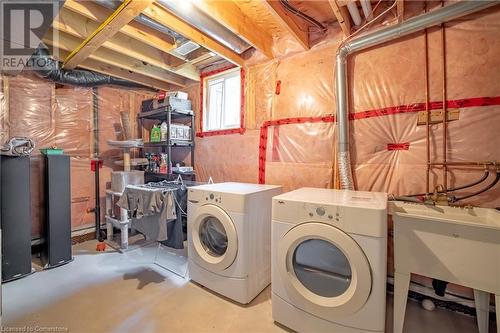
(329, 256)
(229, 238)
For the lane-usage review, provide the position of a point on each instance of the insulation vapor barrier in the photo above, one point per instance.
(290, 136)
(290, 131)
(62, 116)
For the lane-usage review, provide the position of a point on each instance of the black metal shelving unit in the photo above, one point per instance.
(168, 115)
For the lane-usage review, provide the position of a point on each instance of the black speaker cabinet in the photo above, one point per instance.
(57, 227)
(15, 217)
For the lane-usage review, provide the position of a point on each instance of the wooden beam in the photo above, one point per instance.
(67, 42)
(342, 3)
(298, 30)
(134, 30)
(201, 51)
(342, 15)
(166, 18)
(202, 57)
(125, 13)
(207, 62)
(78, 26)
(400, 5)
(118, 72)
(189, 71)
(233, 18)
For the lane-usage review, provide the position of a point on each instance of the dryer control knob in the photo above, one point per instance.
(320, 211)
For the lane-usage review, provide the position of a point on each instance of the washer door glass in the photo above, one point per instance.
(213, 236)
(322, 268)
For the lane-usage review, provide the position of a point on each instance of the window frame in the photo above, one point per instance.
(203, 98)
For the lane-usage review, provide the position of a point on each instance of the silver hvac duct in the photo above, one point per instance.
(349, 47)
(198, 19)
(192, 15)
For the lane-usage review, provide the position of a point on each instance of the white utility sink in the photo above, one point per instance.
(457, 245)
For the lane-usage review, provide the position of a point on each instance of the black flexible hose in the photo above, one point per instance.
(486, 174)
(46, 67)
(303, 15)
(497, 178)
(479, 181)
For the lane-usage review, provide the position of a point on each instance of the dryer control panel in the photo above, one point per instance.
(323, 213)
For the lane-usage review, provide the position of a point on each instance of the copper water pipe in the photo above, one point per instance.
(467, 163)
(445, 124)
(427, 111)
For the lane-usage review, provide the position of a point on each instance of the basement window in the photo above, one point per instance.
(222, 111)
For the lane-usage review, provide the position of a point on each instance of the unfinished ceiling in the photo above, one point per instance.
(165, 44)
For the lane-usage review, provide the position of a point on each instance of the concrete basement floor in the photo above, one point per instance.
(113, 292)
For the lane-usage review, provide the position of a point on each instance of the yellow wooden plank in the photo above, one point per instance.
(164, 17)
(436, 116)
(79, 26)
(125, 13)
(297, 30)
(134, 30)
(342, 15)
(233, 18)
(67, 42)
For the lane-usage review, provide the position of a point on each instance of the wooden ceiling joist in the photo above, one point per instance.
(199, 52)
(67, 42)
(342, 15)
(297, 30)
(134, 30)
(96, 66)
(166, 18)
(125, 13)
(233, 18)
(78, 26)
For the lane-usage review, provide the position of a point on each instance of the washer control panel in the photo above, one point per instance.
(213, 198)
(320, 211)
(228, 202)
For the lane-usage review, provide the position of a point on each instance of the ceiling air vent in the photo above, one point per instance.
(186, 48)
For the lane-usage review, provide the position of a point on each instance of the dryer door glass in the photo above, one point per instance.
(213, 236)
(322, 267)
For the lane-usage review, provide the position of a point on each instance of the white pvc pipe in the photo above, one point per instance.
(367, 9)
(354, 12)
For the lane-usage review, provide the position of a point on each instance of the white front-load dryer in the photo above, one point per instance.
(329, 256)
(229, 238)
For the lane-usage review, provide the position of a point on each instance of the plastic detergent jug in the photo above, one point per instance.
(155, 134)
(164, 131)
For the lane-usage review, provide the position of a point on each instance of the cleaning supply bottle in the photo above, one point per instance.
(164, 131)
(155, 134)
(163, 163)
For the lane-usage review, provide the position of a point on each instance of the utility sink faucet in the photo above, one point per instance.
(439, 197)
